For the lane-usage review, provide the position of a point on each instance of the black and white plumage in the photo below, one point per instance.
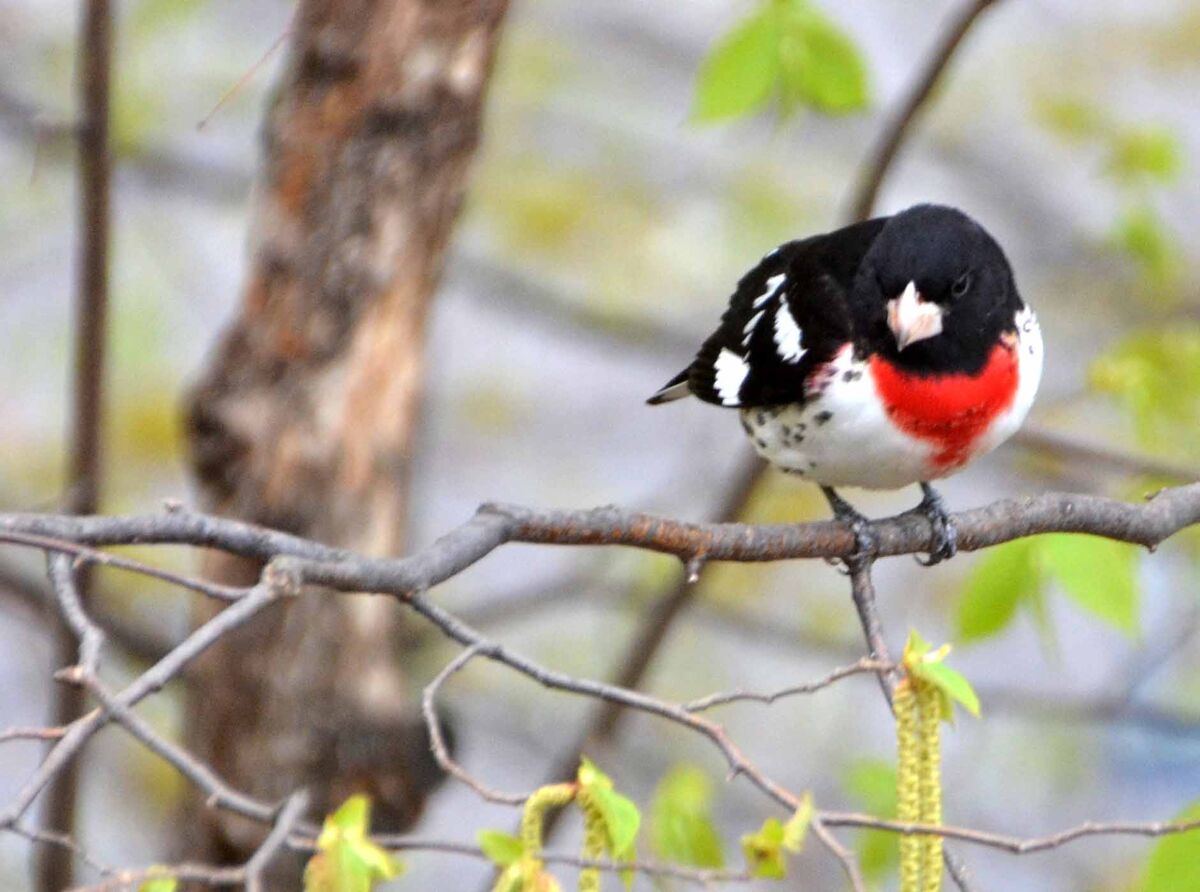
(886, 353)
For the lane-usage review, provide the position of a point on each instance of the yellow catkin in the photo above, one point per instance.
(595, 840)
(908, 782)
(533, 818)
(929, 706)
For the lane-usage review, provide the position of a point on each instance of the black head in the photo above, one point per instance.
(937, 291)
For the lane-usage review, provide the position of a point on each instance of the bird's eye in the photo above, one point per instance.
(961, 285)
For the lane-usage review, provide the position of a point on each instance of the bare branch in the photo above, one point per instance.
(285, 822)
(85, 556)
(299, 562)
(82, 730)
(1016, 844)
(864, 665)
(438, 742)
(890, 140)
(1147, 524)
(84, 466)
(847, 858)
(31, 734)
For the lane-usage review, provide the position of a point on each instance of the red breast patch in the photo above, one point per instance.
(949, 411)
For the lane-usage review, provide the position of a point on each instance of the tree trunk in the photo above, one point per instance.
(305, 418)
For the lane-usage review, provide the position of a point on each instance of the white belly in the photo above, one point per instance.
(843, 437)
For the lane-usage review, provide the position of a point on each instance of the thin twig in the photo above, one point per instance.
(31, 734)
(402, 578)
(864, 665)
(883, 153)
(862, 590)
(285, 822)
(848, 859)
(1017, 845)
(87, 556)
(459, 631)
(438, 742)
(1148, 524)
(633, 664)
(24, 589)
(247, 75)
(152, 680)
(54, 868)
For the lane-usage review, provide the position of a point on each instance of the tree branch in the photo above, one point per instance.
(293, 563)
(54, 869)
(739, 696)
(1148, 524)
(883, 154)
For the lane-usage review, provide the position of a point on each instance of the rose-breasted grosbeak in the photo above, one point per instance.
(886, 353)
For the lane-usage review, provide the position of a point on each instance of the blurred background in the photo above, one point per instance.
(603, 230)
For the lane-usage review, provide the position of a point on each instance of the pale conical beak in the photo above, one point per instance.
(911, 318)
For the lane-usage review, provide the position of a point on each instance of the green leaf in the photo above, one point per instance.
(795, 831)
(1000, 581)
(926, 664)
(1156, 376)
(527, 876)
(739, 75)
(681, 824)
(871, 783)
(149, 17)
(916, 648)
(623, 819)
(1071, 118)
(1141, 234)
(350, 821)
(502, 848)
(820, 65)
(347, 860)
(952, 684)
(764, 851)
(1175, 862)
(1152, 153)
(1098, 574)
(621, 816)
(380, 863)
(336, 870)
(159, 884)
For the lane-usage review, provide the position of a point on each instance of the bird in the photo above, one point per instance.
(889, 352)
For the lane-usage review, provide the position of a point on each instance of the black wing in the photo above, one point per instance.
(789, 315)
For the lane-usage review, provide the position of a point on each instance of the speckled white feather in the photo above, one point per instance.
(843, 437)
(1030, 356)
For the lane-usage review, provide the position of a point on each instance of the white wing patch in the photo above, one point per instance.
(748, 331)
(787, 335)
(731, 372)
(773, 284)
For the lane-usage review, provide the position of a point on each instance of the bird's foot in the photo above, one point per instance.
(865, 544)
(943, 543)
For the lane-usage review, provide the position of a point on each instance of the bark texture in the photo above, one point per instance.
(305, 417)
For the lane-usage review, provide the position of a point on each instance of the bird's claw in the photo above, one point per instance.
(866, 545)
(943, 542)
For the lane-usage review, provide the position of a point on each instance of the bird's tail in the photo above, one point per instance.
(675, 389)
